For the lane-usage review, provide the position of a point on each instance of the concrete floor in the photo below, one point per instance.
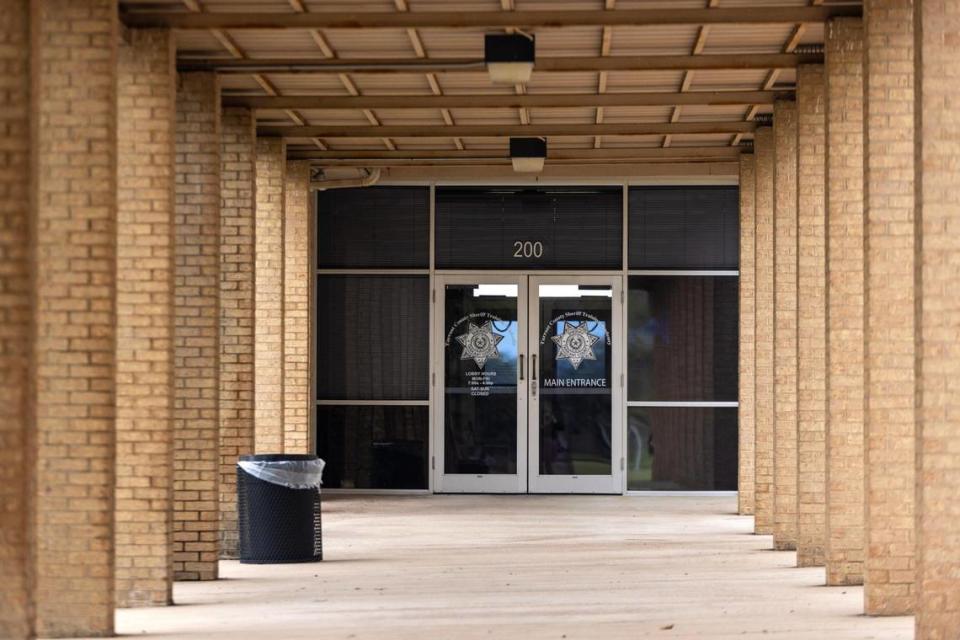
(529, 567)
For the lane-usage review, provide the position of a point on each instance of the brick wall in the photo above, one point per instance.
(74, 57)
(845, 285)
(238, 140)
(268, 350)
(811, 316)
(745, 479)
(15, 466)
(785, 325)
(197, 289)
(145, 128)
(296, 309)
(763, 327)
(890, 354)
(938, 322)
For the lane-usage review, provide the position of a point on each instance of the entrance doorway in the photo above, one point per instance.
(528, 384)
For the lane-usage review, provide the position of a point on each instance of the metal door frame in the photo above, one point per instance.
(614, 483)
(476, 483)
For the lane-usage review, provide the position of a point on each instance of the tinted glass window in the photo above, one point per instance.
(373, 447)
(684, 227)
(372, 337)
(481, 348)
(374, 227)
(683, 338)
(529, 228)
(681, 448)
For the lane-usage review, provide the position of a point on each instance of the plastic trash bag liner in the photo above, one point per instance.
(293, 474)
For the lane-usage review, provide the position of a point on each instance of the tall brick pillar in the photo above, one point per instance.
(938, 321)
(296, 308)
(845, 309)
(268, 351)
(745, 478)
(238, 153)
(145, 138)
(74, 62)
(785, 325)
(763, 331)
(16, 465)
(889, 568)
(811, 316)
(196, 343)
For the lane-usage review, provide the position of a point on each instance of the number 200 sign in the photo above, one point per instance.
(527, 249)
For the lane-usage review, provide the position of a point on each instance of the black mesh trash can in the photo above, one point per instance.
(277, 523)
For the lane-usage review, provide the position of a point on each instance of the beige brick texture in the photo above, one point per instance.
(785, 325)
(146, 95)
(15, 464)
(938, 321)
(811, 316)
(238, 152)
(268, 348)
(74, 61)
(196, 514)
(763, 331)
(296, 308)
(845, 306)
(889, 568)
(745, 478)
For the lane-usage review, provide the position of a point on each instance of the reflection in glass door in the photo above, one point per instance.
(481, 400)
(574, 391)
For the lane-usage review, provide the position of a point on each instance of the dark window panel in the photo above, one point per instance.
(684, 227)
(682, 449)
(374, 227)
(372, 337)
(683, 338)
(524, 228)
(373, 447)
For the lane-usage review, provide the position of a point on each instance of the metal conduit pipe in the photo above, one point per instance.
(370, 178)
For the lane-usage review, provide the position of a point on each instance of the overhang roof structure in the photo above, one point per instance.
(402, 82)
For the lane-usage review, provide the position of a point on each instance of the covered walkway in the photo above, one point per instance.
(525, 567)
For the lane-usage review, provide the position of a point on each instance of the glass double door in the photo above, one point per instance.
(528, 384)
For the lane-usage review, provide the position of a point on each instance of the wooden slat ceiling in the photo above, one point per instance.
(401, 82)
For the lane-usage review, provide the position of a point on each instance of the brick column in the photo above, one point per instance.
(15, 464)
(197, 290)
(296, 309)
(238, 149)
(763, 328)
(811, 316)
(938, 322)
(745, 478)
(268, 351)
(74, 98)
(890, 336)
(145, 129)
(785, 326)
(845, 289)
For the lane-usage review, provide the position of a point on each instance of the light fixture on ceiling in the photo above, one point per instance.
(528, 154)
(509, 57)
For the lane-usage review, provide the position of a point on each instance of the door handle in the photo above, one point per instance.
(520, 368)
(533, 377)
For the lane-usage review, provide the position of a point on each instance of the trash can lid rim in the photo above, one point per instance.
(278, 457)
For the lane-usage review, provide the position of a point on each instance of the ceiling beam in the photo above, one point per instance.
(484, 19)
(506, 101)
(502, 131)
(460, 65)
(412, 156)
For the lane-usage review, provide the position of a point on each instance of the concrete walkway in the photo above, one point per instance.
(526, 567)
